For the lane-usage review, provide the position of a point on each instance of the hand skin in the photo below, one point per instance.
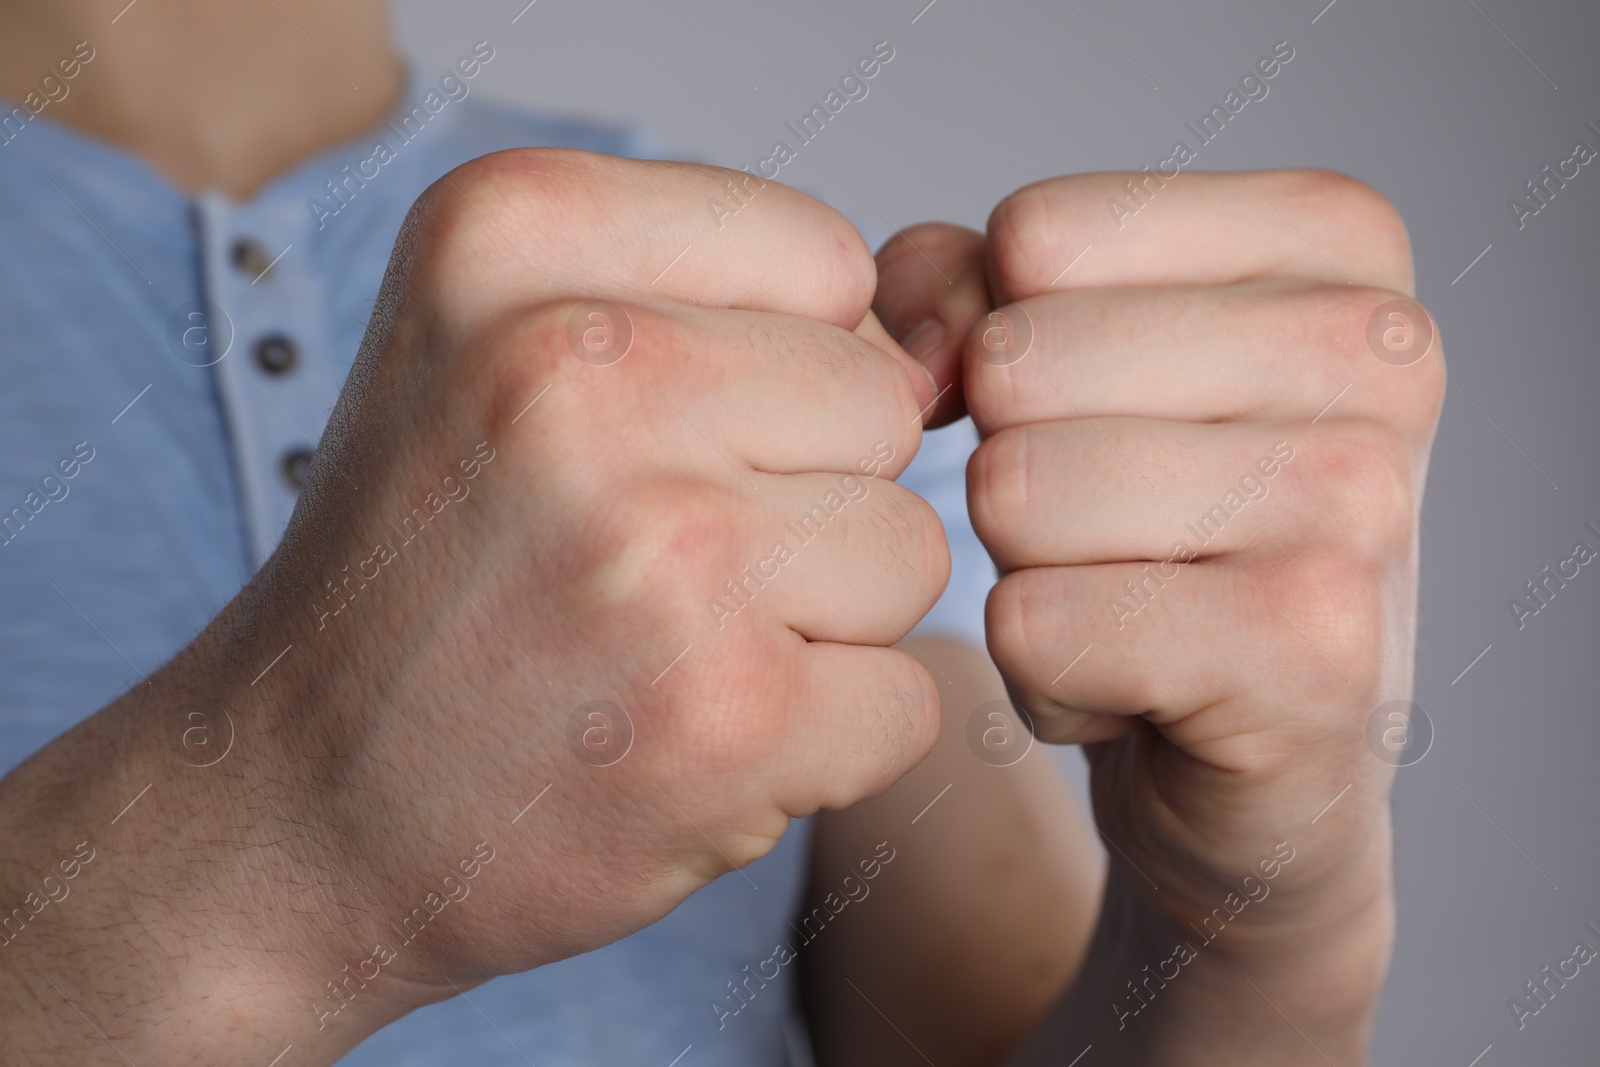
(204, 123)
(378, 750)
(986, 914)
(1230, 710)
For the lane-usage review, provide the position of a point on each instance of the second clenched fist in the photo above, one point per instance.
(1201, 475)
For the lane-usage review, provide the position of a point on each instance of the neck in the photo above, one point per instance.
(221, 96)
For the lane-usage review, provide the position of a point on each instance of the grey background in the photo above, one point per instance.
(1431, 103)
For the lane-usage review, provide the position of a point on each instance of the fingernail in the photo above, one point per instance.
(923, 339)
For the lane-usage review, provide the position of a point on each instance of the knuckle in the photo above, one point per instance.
(1419, 394)
(535, 336)
(647, 554)
(449, 213)
(1335, 600)
(995, 385)
(1366, 472)
(841, 361)
(902, 430)
(1356, 207)
(475, 213)
(1342, 316)
(997, 486)
(1336, 319)
(913, 536)
(850, 263)
(899, 711)
(552, 179)
(1004, 625)
(1431, 381)
(1349, 199)
(985, 388)
(826, 257)
(539, 346)
(1336, 327)
(1017, 623)
(691, 526)
(520, 357)
(851, 268)
(1020, 238)
(909, 699)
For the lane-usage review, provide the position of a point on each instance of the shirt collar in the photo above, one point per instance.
(106, 171)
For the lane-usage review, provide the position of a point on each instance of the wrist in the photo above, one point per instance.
(1323, 970)
(1159, 991)
(202, 892)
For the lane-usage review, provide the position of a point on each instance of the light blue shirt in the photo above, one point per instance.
(163, 360)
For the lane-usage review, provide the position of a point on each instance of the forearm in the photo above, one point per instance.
(1155, 993)
(986, 913)
(157, 897)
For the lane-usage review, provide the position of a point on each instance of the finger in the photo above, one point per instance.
(1082, 652)
(841, 558)
(576, 222)
(865, 717)
(756, 391)
(1085, 491)
(932, 288)
(1275, 350)
(922, 382)
(1140, 228)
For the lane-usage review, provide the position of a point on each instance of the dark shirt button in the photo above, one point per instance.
(296, 464)
(276, 354)
(251, 258)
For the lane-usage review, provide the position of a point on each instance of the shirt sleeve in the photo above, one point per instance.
(938, 474)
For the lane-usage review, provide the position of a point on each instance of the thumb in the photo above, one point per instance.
(932, 289)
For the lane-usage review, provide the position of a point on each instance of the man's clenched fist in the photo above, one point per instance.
(1200, 477)
(668, 441)
(589, 592)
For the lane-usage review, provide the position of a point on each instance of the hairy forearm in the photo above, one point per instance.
(157, 893)
(1155, 993)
